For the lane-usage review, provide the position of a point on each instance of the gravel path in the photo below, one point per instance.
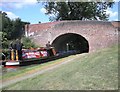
(14, 80)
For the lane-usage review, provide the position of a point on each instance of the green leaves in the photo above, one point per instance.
(10, 29)
(77, 10)
(28, 43)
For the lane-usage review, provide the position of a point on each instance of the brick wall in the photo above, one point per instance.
(99, 34)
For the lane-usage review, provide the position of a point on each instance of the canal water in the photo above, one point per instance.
(4, 70)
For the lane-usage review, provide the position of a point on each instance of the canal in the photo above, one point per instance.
(5, 70)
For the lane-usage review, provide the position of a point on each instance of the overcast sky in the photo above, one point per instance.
(33, 12)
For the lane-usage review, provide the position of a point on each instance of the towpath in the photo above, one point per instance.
(33, 73)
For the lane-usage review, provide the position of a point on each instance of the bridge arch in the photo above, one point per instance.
(71, 41)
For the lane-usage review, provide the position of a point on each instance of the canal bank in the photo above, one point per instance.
(94, 71)
(22, 73)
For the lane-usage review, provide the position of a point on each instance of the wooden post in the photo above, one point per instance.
(16, 55)
(12, 54)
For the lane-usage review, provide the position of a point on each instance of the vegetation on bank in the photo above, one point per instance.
(96, 71)
(11, 30)
(27, 44)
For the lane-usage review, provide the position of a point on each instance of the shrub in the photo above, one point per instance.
(27, 43)
(6, 52)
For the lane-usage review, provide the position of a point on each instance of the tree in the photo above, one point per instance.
(13, 28)
(6, 25)
(10, 29)
(77, 10)
(17, 28)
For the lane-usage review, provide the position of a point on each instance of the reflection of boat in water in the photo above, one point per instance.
(31, 56)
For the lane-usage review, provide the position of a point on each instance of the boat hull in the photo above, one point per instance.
(28, 61)
(15, 63)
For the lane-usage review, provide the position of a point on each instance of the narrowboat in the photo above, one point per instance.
(30, 56)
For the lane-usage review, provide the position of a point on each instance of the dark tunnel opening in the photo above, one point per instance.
(71, 42)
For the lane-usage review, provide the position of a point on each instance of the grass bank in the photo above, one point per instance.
(27, 69)
(97, 70)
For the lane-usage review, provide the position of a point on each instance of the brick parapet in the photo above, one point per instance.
(99, 34)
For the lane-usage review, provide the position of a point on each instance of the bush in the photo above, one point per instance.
(6, 52)
(28, 43)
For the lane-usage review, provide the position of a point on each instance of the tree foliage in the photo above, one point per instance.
(28, 43)
(10, 29)
(77, 10)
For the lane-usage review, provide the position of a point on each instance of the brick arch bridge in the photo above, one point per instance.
(97, 34)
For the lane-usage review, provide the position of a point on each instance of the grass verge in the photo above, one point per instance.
(28, 69)
(96, 71)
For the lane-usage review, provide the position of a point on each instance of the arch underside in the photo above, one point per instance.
(71, 41)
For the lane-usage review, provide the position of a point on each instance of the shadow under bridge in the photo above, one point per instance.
(71, 42)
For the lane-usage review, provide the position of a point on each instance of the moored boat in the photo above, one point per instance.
(31, 56)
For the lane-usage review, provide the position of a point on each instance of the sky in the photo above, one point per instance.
(33, 12)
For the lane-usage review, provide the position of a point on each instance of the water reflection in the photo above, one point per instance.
(0, 70)
(13, 68)
(9, 69)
